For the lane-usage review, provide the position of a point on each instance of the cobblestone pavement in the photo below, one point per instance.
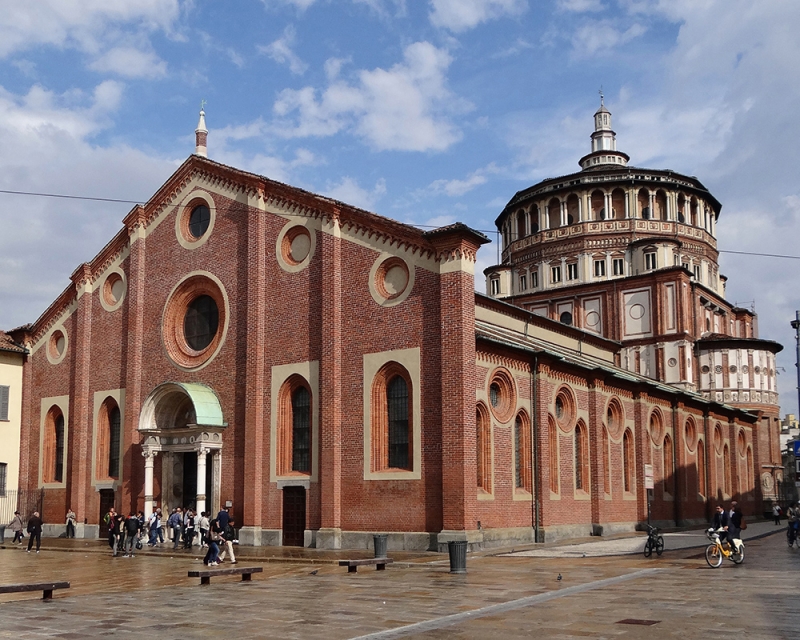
(516, 597)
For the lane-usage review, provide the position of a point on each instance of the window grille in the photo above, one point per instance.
(301, 430)
(114, 422)
(397, 403)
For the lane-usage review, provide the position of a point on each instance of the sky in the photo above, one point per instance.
(426, 111)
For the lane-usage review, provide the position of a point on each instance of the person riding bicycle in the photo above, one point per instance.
(720, 523)
(735, 517)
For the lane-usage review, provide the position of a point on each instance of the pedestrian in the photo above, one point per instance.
(202, 524)
(223, 516)
(71, 518)
(188, 532)
(131, 529)
(214, 536)
(793, 522)
(160, 526)
(776, 513)
(154, 526)
(174, 523)
(228, 536)
(17, 527)
(111, 520)
(735, 518)
(35, 531)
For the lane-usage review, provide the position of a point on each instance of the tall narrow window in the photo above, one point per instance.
(606, 463)
(523, 282)
(572, 271)
(522, 453)
(397, 401)
(555, 274)
(534, 279)
(701, 468)
(3, 470)
(495, 285)
(581, 458)
(669, 474)
(619, 266)
(649, 261)
(599, 268)
(749, 474)
(294, 434)
(552, 436)
(628, 462)
(58, 474)
(301, 430)
(484, 448)
(114, 423)
(4, 393)
(726, 465)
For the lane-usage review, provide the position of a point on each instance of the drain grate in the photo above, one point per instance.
(644, 623)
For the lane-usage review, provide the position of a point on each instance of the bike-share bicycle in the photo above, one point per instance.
(655, 542)
(717, 550)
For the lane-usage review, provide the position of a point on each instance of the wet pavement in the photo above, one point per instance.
(512, 596)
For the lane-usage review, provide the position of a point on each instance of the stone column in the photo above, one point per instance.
(149, 460)
(580, 209)
(200, 501)
(607, 205)
(651, 202)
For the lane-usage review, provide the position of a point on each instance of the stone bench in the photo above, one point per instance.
(46, 588)
(205, 575)
(353, 565)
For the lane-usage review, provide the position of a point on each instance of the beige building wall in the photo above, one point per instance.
(11, 376)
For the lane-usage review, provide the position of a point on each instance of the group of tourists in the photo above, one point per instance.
(124, 533)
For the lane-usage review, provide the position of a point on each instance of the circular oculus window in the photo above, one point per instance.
(195, 321)
(56, 346)
(113, 290)
(391, 279)
(690, 434)
(296, 245)
(565, 409)
(195, 222)
(502, 396)
(199, 219)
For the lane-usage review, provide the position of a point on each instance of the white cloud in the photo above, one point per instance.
(281, 51)
(461, 15)
(401, 108)
(302, 5)
(456, 188)
(603, 36)
(77, 24)
(349, 191)
(518, 47)
(580, 6)
(130, 63)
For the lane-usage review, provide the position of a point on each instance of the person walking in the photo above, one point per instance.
(111, 520)
(214, 536)
(776, 513)
(154, 525)
(35, 531)
(175, 521)
(228, 536)
(202, 524)
(188, 532)
(160, 526)
(735, 524)
(223, 517)
(17, 527)
(131, 529)
(793, 518)
(71, 518)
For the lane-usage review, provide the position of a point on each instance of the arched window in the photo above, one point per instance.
(643, 200)
(392, 444)
(109, 435)
(483, 444)
(554, 213)
(726, 466)
(598, 204)
(522, 453)
(617, 204)
(552, 436)
(749, 474)
(701, 468)
(53, 446)
(301, 430)
(581, 458)
(668, 471)
(294, 427)
(606, 463)
(521, 224)
(628, 461)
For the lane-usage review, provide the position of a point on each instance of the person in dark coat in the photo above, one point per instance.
(35, 531)
(720, 523)
(735, 523)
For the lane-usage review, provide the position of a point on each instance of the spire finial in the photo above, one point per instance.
(201, 133)
(601, 95)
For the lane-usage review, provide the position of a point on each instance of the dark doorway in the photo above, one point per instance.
(189, 480)
(106, 502)
(294, 516)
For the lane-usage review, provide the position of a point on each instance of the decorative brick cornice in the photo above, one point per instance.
(502, 361)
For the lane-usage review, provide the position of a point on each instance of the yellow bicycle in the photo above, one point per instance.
(716, 551)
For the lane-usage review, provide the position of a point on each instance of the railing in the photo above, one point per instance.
(25, 501)
(598, 227)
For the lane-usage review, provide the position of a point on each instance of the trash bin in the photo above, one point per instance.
(458, 556)
(381, 541)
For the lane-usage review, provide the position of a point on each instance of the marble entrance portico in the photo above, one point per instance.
(179, 418)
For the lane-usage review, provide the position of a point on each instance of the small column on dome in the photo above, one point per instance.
(201, 133)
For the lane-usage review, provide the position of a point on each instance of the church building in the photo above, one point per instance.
(329, 373)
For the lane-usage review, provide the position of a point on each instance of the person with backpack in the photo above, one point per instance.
(131, 529)
(228, 536)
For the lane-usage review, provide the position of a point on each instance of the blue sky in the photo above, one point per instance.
(427, 111)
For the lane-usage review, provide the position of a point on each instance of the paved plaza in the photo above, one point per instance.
(513, 596)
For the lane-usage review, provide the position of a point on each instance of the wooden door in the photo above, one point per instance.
(294, 516)
(106, 502)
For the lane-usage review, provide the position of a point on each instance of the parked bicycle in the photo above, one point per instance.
(655, 542)
(717, 551)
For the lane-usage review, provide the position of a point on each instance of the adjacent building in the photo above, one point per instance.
(12, 356)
